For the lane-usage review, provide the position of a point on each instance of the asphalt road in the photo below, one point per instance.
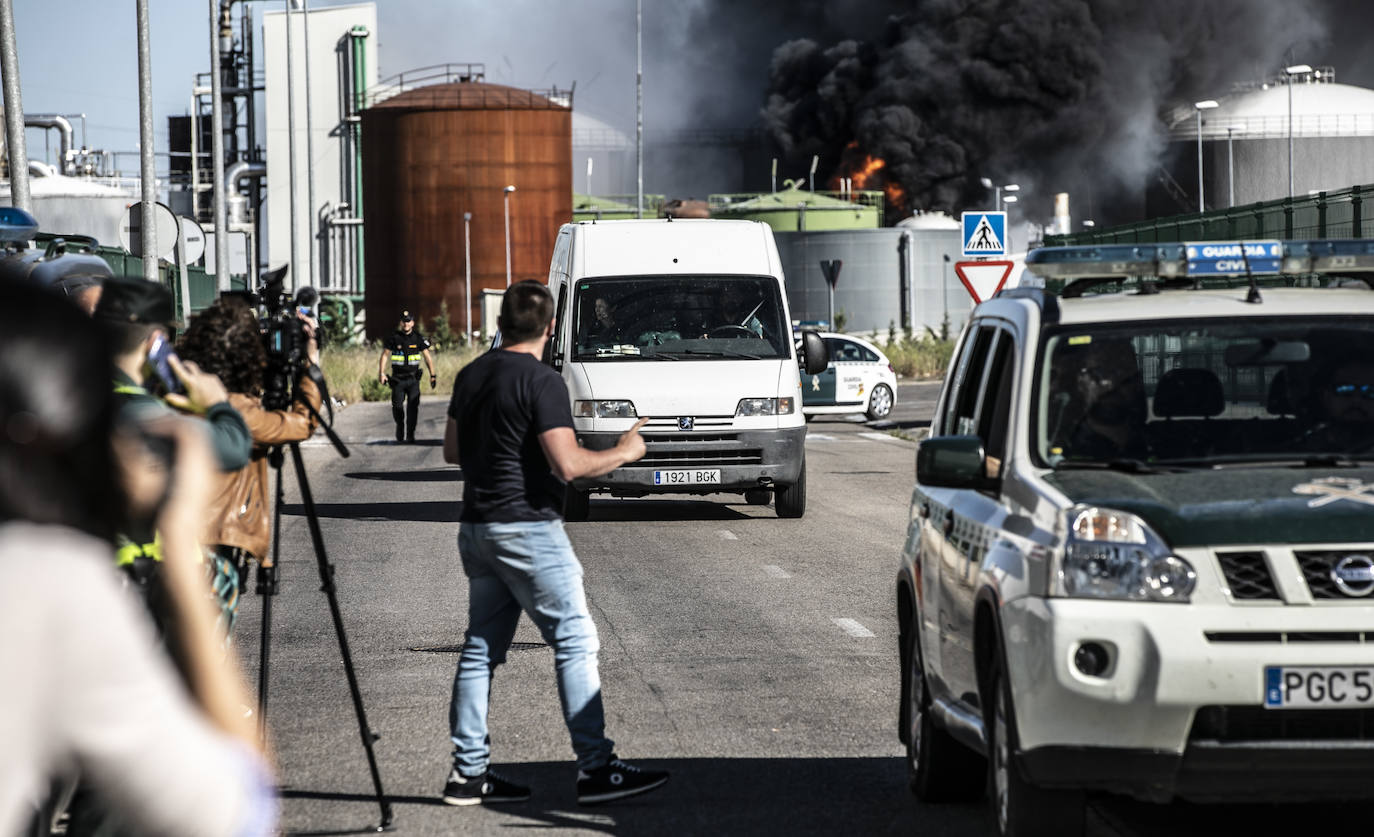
(755, 658)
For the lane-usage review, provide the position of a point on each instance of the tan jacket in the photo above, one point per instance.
(241, 513)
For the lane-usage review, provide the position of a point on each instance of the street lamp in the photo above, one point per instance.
(998, 190)
(508, 191)
(1008, 200)
(467, 273)
(1199, 107)
(1231, 164)
(1288, 73)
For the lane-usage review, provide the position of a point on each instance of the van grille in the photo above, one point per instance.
(1316, 568)
(705, 458)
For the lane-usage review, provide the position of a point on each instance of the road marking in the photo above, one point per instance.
(727, 535)
(774, 571)
(880, 437)
(819, 437)
(853, 628)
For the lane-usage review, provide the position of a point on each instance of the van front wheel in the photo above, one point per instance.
(790, 500)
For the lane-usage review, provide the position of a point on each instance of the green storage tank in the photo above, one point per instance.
(616, 207)
(794, 209)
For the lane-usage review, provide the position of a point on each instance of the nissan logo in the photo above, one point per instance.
(1354, 575)
(686, 423)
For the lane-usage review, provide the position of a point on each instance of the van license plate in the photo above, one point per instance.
(687, 476)
(1318, 687)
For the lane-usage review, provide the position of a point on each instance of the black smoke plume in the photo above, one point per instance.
(1056, 95)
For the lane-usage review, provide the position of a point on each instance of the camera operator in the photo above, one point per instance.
(85, 685)
(225, 340)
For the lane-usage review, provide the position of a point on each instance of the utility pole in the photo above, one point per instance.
(311, 279)
(219, 29)
(639, 108)
(147, 170)
(291, 150)
(467, 274)
(14, 110)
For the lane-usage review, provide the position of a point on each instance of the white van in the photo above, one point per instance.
(685, 322)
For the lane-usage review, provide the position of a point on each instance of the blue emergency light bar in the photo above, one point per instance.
(16, 225)
(1203, 259)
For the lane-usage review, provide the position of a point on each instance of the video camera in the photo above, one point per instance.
(283, 335)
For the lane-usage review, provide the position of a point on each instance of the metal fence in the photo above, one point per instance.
(1336, 214)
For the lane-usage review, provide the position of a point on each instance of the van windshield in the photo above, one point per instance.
(679, 318)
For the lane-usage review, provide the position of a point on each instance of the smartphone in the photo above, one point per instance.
(158, 360)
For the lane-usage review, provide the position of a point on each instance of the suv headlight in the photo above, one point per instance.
(605, 409)
(765, 407)
(1113, 554)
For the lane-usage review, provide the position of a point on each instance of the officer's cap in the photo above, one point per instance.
(406, 317)
(135, 301)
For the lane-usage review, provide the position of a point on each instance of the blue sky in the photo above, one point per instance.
(80, 56)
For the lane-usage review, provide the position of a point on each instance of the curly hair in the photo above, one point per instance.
(225, 339)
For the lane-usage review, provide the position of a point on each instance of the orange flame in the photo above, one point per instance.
(866, 171)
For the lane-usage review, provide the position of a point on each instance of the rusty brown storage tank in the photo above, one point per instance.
(431, 154)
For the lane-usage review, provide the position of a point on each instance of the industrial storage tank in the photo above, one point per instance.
(433, 153)
(794, 209)
(1246, 135)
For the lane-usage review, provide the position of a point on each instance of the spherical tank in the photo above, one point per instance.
(432, 154)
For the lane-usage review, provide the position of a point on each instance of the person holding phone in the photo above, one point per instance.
(136, 314)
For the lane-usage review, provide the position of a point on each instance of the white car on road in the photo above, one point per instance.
(859, 379)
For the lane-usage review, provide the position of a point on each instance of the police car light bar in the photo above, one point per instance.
(1199, 259)
(16, 225)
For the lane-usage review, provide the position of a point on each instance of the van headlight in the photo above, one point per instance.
(1112, 554)
(604, 409)
(765, 407)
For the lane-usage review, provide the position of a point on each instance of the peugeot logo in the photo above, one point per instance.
(686, 423)
(1354, 575)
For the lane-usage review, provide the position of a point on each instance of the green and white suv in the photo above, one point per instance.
(1140, 556)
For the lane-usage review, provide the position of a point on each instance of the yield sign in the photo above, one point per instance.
(983, 279)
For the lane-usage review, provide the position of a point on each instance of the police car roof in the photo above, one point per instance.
(1216, 302)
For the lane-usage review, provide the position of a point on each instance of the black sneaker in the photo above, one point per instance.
(616, 780)
(489, 787)
(400, 435)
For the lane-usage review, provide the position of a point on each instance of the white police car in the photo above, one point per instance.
(1140, 556)
(859, 379)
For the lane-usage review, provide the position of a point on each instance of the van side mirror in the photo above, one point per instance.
(814, 356)
(951, 462)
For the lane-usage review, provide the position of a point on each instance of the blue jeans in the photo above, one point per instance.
(531, 567)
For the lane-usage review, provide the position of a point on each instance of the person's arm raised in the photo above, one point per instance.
(570, 460)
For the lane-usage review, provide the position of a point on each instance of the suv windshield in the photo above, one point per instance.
(1207, 391)
(679, 318)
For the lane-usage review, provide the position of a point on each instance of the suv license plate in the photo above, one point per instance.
(1318, 687)
(687, 476)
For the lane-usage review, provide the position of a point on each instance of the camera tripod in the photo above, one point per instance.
(267, 588)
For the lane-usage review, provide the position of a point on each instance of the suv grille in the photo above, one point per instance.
(1247, 575)
(1316, 568)
(1239, 724)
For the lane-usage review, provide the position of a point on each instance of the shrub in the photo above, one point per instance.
(374, 390)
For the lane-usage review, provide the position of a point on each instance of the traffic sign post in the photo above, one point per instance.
(983, 279)
(985, 233)
(830, 268)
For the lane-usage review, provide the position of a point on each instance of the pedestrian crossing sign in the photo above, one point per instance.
(985, 233)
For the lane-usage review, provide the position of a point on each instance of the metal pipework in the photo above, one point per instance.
(64, 134)
(219, 207)
(14, 111)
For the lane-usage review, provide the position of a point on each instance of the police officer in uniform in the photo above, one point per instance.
(404, 349)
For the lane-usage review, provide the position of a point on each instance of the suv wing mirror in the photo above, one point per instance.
(814, 356)
(951, 462)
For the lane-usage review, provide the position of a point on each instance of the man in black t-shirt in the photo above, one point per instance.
(510, 427)
(405, 347)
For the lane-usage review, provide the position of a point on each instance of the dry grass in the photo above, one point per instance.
(924, 358)
(352, 371)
